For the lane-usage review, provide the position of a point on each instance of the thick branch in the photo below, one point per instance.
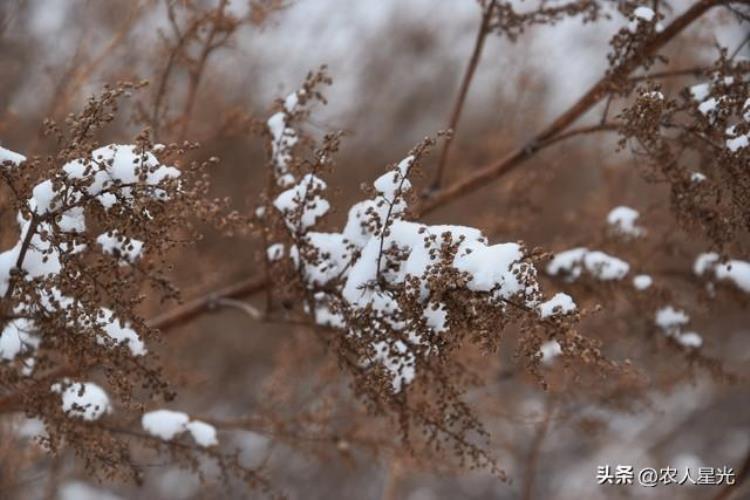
(189, 310)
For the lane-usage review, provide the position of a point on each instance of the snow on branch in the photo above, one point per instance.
(168, 424)
(734, 271)
(395, 287)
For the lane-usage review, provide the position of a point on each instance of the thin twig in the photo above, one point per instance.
(458, 106)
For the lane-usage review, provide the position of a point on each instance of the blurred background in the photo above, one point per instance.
(396, 67)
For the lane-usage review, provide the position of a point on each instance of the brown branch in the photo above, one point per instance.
(458, 106)
(659, 75)
(196, 75)
(205, 303)
(585, 130)
(536, 447)
(78, 76)
(25, 244)
(598, 91)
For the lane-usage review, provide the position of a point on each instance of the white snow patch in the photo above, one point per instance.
(668, 318)
(275, 252)
(559, 304)
(8, 156)
(550, 350)
(167, 424)
(642, 281)
(85, 400)
(128, 250)
(734, 270)
(623, 220)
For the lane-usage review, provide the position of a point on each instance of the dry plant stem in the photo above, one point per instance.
(30, 232)
(597, 92)
(196, 75)
(657, 75)
(527, 488)
(458, 106)
(80, 75)
(168, 68)
(189, 310)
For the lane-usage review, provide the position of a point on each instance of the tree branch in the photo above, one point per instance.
(458, 106)
(598, 91)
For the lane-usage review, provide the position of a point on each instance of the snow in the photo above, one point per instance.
(10, 342)
(733, 270)
(690, 339)
(8, 156)
(128, 250)
(736, 142)
(622, 219)
(400, 366)
(697, 177)
(120, 333)
(378, 247)
(605, 267)
(116, 168)
(642, 281)
(109, 175)
(204, 434)
(671, 321)
(85, 400)
(436, 317)
(333, 253)
(549, 351)
(395, 182)
(108, 168)
(283, 140)
(570, 264)
(167, 424)
(274, 252)
(43, 197)
(42, 259)
(491, 267)
(324, 315)
(708, 106)
(567, 263)
(300, 205)
(705, 262)
(559, 304)
(736, 271)
(645, 13)
(15, 336)
(668, 318)
(700, 91)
